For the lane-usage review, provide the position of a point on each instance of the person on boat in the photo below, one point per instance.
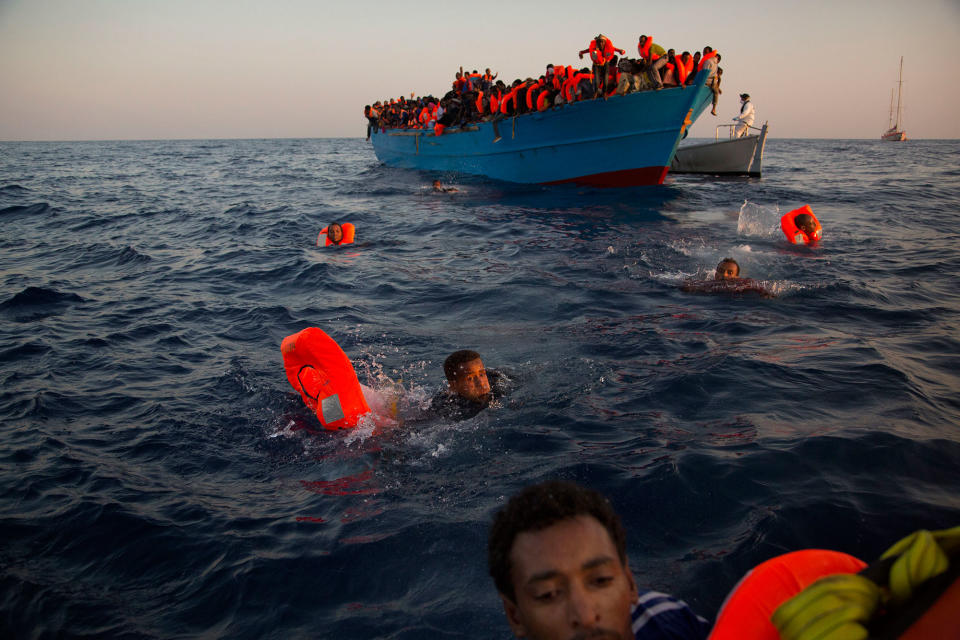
(643, 46)
(745, 119)
(648, 49)
(631, 75)
(372, 116)
(601, 52)
(458, 81)
(470, 386)
(673, 74)
(694, 66)
(557, 553)
(486, 80)
(583, 85)
(655, 68)
(710, 61)
(689, 69)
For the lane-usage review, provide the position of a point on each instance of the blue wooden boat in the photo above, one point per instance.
(619, 142)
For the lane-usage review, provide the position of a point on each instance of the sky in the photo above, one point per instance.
(200, 69)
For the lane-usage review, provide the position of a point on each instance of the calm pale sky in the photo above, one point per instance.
(159, 69)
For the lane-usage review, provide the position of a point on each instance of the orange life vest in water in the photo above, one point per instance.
(322, 373)
(348, 233)
(795, 235)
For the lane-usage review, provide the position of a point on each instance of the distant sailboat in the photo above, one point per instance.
(895, 133)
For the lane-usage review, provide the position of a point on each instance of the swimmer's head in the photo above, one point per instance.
(437, 185)
(335, 232)
(466, 375)
(806, 223)
(728, 269)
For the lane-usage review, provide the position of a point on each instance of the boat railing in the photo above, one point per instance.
(731, 128)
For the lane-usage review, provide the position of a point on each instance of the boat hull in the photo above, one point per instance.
(894, 136)
(622, 141)
(734, 157)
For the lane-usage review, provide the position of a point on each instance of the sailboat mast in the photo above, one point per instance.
(890, 121)
(899, 92)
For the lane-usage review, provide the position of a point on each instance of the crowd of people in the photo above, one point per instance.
(475, 97)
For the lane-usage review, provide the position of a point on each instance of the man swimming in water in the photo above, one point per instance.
(335, 233)
(439, 188)
(728, 269)
(557, 553)
(806, 223)
(470, 386)
(726, 279)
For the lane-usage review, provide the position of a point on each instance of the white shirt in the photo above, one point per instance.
(746, 114)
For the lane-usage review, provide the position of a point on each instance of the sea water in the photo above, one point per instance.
(162, 479)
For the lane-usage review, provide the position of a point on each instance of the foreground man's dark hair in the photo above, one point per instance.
(538, 507)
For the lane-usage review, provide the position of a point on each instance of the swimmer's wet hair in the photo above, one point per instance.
(731, 261)
(451, 366)
(538, 507)
(803, 219)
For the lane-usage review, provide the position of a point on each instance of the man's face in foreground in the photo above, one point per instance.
(569, 583)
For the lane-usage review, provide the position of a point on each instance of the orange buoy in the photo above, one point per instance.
(747, 610)
(322, 373)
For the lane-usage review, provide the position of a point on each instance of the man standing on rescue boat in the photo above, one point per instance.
(745, 119)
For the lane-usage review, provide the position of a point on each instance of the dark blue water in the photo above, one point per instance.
(161, 479)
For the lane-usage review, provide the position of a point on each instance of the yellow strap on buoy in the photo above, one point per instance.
(832, 608)
(920, 558)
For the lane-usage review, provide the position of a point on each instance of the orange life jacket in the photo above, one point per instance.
(601, 56)
(681, 70)
(569, 88)
(542, 104)
(321, 372)
(795, 235)
(579, 77)
(644, 50)
(349, 231)
(669, 77)
(509, 103)
(531, 95)
(706, 57)
(479, 102)
(495, 101)
(559, 74)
